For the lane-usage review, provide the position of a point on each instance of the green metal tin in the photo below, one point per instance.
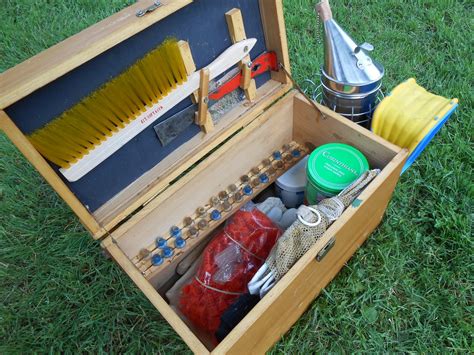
(331, 168)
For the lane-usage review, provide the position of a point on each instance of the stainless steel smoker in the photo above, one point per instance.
(350, 79)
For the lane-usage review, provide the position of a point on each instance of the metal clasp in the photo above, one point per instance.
(322, 253)
(150, 8)
(363, 60)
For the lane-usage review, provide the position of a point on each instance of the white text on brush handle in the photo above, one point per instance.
(99, 153)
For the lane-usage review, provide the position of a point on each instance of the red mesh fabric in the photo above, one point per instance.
(228, 263)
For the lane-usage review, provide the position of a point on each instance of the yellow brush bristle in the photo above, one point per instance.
(70, 136)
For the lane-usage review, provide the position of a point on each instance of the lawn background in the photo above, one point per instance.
(408, 289)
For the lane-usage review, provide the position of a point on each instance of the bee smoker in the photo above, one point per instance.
(350, 79)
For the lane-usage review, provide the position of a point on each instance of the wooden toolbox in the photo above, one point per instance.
(142, 190)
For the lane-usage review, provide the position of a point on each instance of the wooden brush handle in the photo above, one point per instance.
(324, 10)
(238, 50)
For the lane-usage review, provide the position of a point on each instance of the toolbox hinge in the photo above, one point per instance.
(156, 4)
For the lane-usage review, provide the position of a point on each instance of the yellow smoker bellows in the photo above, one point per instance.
(70, 136)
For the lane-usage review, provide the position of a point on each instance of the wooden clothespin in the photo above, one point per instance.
(189, 64)
(235, 23)
(203, 117)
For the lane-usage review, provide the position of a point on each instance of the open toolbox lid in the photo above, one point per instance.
(38, 90)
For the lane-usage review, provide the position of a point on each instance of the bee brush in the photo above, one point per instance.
(92, 130)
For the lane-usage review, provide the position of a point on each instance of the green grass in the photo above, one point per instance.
(409, 289)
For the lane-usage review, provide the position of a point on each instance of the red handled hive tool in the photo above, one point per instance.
(265, 62)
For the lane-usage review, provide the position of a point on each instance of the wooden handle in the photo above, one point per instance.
(324, 10)
(230, 56)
